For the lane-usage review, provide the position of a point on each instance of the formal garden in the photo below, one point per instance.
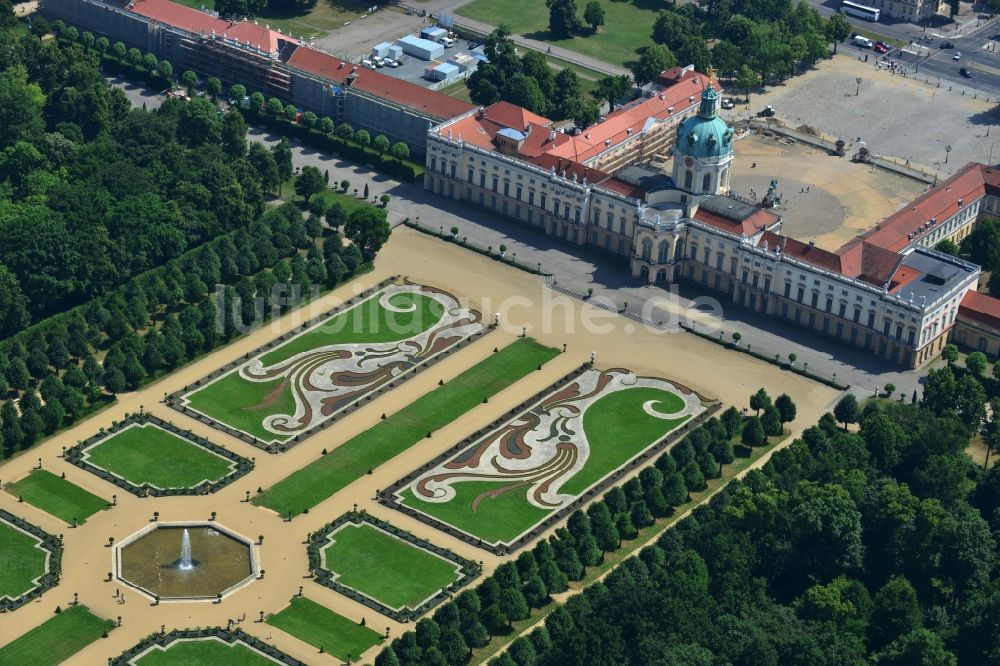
(554, 451)
(149, 456)
(24, 560)
(212, 646)
(289, 390)
(394, 434)
(57, 496)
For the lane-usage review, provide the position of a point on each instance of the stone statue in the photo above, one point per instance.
(772, 199)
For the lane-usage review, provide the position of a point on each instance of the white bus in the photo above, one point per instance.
(860, 11)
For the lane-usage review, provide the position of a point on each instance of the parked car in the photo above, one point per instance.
(882, 44)
(966, 72)
(728, 103)
(947, 45)
(766, 112)
(391, 62)
(880, 48)
(958, 55)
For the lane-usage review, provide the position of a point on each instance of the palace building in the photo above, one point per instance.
(886, 291)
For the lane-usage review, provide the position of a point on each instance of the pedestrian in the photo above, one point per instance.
(807, 189)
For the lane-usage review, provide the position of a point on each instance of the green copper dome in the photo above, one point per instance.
(705, 135)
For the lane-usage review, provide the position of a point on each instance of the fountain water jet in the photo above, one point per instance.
(185, 564)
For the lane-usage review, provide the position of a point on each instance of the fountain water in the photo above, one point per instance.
(185, 564)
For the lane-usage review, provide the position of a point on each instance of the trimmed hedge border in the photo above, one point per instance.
(318, 541)
(388, 498)
(472, 246)
(75, 456)
(50, 578)
(230, 637)
(768, 359)
(173, 400)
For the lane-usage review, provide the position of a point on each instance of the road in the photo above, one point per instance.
(923, 58)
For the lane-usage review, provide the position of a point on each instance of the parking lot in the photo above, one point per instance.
(412, 68)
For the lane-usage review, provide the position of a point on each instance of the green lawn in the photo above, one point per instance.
(325, 16)
(314, 624)
(20, 561)
(627, 28)
(56, 640)
(243, 404)
(57, 496)
(385, 568)
(321, 479)
(149, 454)
(617, 429)
(204, 652)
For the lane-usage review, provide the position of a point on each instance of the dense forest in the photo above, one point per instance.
(876, 544)
(132, 241)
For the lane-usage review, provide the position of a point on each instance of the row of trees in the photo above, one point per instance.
(564, 22)
(507, 596)
(833, 553)
(238, 9)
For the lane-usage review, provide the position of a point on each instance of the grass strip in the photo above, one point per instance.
(57, 496)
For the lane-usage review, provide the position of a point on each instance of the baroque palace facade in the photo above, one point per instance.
(886, 291)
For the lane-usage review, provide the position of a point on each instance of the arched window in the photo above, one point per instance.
(688, 179)
(724, 178)
(663, 252)
(706, 182)
(647, 248)
(679, 250)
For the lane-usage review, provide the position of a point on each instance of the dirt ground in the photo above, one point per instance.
(896, 117)
(520, 298)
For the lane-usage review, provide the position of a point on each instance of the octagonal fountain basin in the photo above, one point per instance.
(186, 561)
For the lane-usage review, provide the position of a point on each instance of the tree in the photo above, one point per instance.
(563, 21)
(165, 70)
(345, 131)
(847, 410)
(400, 150)
(133, 57)
(953, 6)
(771, 421)
(896, 612)
(759, 400)
(746, 79)
(13, 304)
(786, 408)
(920, 646)
(363, 137)
(494, 619)
(189, 79)
(381, 143)
(325, 125)
(237, 92)
(593, 14)
(837, 29)
(213, 86)
(694, 51)
(282, 152)
(976, 362)
(950, 353)
(149, 61)
(234, 134)
(237, 9)
(654, 59)
(611, 89)
(309, 182)
(672, 29)
(939, 390)
(947, 246)
(753, 432)
(256, 102)
(368, 228)
(970, 402)
(524, 90)
(824, 531)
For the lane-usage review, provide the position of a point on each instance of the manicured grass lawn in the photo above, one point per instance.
(617, 429)
(205, 652)
(314, 624)
(148, 454)
(366, 322)
(243, 404)
(321, 479)
(57, 496)
(326, 15)
(385, 568)
(495, 520)
(20, 561)
(56, 640)
(627, 28)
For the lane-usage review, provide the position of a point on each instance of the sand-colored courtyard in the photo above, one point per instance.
(522, 301)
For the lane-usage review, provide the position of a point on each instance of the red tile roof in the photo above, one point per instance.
(624, 188)
(981, 308)
(748, 226)
(569, 167)
(510, 115)
(939, 203)
(320, 64)
(192, 20)
(809, 253)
